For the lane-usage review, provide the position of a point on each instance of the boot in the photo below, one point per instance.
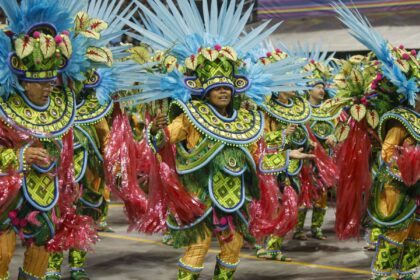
(186, 272)
(77, 261)
(410, 260)
(299, 233)
(387, 256)
(54, 266)
(223, 270)
(272, 250)
(318, 215)
(103, 224)
(23, 275)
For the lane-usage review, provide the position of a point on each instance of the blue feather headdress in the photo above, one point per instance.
(319, 62)
(211, 50)
(396, 64)
(36, 31)
(93, 63)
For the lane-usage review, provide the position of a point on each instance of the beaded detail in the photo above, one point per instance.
(242, 129)
(53, 121)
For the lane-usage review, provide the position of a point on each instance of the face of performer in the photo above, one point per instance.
(220, 97)
(39, 92)
(317, 93)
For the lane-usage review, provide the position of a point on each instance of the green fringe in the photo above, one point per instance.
(186, 237)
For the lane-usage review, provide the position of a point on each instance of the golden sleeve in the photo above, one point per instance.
(178, 129)
(102, 130)
(394, 137)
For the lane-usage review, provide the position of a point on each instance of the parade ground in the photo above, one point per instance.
(121, 255)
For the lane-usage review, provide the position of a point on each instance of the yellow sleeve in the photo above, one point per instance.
(178, 129)
(269, 124)
(102, 129)
(394, 137)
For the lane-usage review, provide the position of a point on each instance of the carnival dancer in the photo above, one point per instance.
(95, 77)
(214, 142)
(36, 138)
(393, 203)
(285, 115)
(322, 127)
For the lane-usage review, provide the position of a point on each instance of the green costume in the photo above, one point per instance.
(398, 248)
(278, 116)
(91, 131)
(322, 125)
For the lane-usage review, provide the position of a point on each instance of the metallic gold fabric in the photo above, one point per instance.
(321, 201)
(36, 260)
(7, 248)
(195, 253)
(230, 250)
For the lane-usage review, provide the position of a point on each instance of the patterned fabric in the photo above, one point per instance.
(298, 111)
(91, 111)
(227, 190)
(243, 128)
(274, 163)
(184, 274)
(8, 159)
(223, 273)
(318, 217)
(410, 259)
(387, 256)
(188, 160)
(407, 117)
(274, 243)
(41, 189)
(301, 220)
(54, 263)
(77, 258)
(54, 121)
(79, 157)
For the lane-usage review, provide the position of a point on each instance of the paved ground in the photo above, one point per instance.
(123, 255)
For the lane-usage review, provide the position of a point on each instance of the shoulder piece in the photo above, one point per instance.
(320, 114)
(241, 129)
(90, 111)
(52, 120)
(407, 117)
(298, 111)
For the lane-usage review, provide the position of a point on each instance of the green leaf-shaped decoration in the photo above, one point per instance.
(24, 46)
(47, 45)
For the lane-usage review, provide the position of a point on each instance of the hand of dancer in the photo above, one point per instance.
(159, 122)
(37, 156)
(291, 129)
(330, 141)
(299, 154)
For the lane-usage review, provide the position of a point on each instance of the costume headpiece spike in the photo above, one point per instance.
(398, 75)
(210, 50)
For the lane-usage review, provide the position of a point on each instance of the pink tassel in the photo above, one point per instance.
(155, 218)
(72, 230)
(327, 169)
(75, 232)
(31, 218)
(183, 206)
(307, 185)
(354, 182)
(408, 161)
(121, 169)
